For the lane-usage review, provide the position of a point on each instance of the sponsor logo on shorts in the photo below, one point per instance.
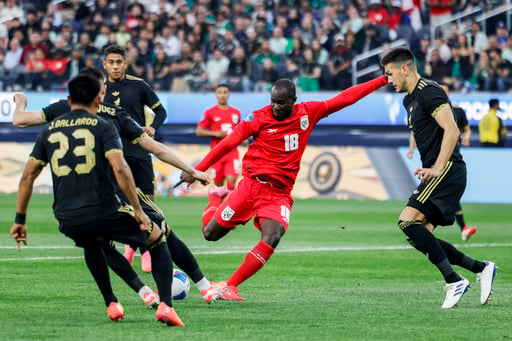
(227, 214)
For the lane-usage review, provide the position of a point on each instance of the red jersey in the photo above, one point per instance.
(216, 119)
(277, 149)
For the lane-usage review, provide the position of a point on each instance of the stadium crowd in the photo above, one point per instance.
(194, 45)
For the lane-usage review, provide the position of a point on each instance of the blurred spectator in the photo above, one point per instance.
(30, 48)
(307, 30)
(56, 70)
(197, 76)
(159, 75)
(506, 53)
(290, 70)
(437, 69)
(480, 71)
(170, 42)
(369, 40)
(213, 42)
(420, 48)
(75, 63)
(180, 67)
(122, 35)
(11, 10)
(102, 7)
(81, 11)
(36, 69)
(267, 77)
(354, 22)
(297, 52)
(321, 56)
(277, 42)
(460, 68)
(266, 53)
(102, 38)
(499, 73)
(11, 68)
(239, 74)
(340, 61)
(440, 12)
(87, 46)
(229, 44)
(310, 71)
(252, 43)
(465, 49)
(493, 133)
(135, 66)
(31, 23)
(476, 38)
(501, 34)
(377, 13)
(146, 55)
(216, 68)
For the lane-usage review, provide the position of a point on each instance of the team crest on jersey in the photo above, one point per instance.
(227, 213)
(235, 118)
(249, 117)
(115, 93)
(304, 122)
(117, 102)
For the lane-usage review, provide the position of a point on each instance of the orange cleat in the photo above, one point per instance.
(115, 311)
(167, 315)
(231, 294)
(212, 293)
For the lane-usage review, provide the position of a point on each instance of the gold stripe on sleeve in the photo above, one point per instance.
(436, 110)
(111, 151)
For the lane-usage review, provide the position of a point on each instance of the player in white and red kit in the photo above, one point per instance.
(280, 134)
(218, 122)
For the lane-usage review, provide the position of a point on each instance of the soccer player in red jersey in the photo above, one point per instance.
(280, 134)
(218, 122)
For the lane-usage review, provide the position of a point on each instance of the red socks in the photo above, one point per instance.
(253, 261)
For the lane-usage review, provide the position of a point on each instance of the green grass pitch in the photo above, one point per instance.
(343, 271)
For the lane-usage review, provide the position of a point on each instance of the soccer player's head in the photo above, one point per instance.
(115, 63)
(222, 94)
(84, 90)
(400, 69)
(95, 72)
(282, 98)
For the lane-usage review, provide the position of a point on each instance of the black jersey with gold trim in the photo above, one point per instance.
(422, 106)
(76, 146)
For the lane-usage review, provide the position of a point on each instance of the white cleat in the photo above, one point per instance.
(486, 279)
(454, 292)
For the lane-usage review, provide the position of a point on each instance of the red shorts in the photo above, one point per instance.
(227, 166)
(254, 198)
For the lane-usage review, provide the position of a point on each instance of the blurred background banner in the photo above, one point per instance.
(379, 109)
(348, 172)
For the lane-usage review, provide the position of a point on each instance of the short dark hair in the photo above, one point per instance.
(93, 71)
(114, 49)
(222, 85)
(83, 89)
(398, 55)
(285, 83)
(494, 102)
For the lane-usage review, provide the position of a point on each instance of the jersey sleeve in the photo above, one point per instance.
(248, 127)
(39, 153)
(205, 120)
(111, 140)
(129, 128)
(55, 110)
(434, 98)
(316, 110)
(151, 100)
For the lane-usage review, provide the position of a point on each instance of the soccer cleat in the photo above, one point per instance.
(146, 261)
(454, 292)
(129, 253)
(212, 293)
(167, 315)
(220, 192)
(467, 232)
(486, 278)
(231, 294)
(152, 299)
(115, 311)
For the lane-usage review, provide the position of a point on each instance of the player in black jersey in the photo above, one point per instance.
(465, 133)
(133, 94)
(132, 132)
(81, 147)
(443, 176)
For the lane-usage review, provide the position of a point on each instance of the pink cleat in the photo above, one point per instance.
(467, 232)
(231, 294)
(167, 315)
(115, 311)
(212, 293)
(220, 192)
(146, 262)
(129, 253)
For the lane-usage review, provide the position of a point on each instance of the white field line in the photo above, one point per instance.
(245, 250)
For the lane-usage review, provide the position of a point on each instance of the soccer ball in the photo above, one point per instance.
(180, 285)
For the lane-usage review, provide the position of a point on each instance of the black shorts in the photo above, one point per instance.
(440, 198)
(118, 226)
(143, 174)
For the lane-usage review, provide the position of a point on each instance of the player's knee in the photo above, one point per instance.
(272, 238)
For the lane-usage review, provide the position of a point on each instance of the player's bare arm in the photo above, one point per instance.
(23, 118)
(203, 132)
(30, 174)
(451, 136)
(164, 153)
